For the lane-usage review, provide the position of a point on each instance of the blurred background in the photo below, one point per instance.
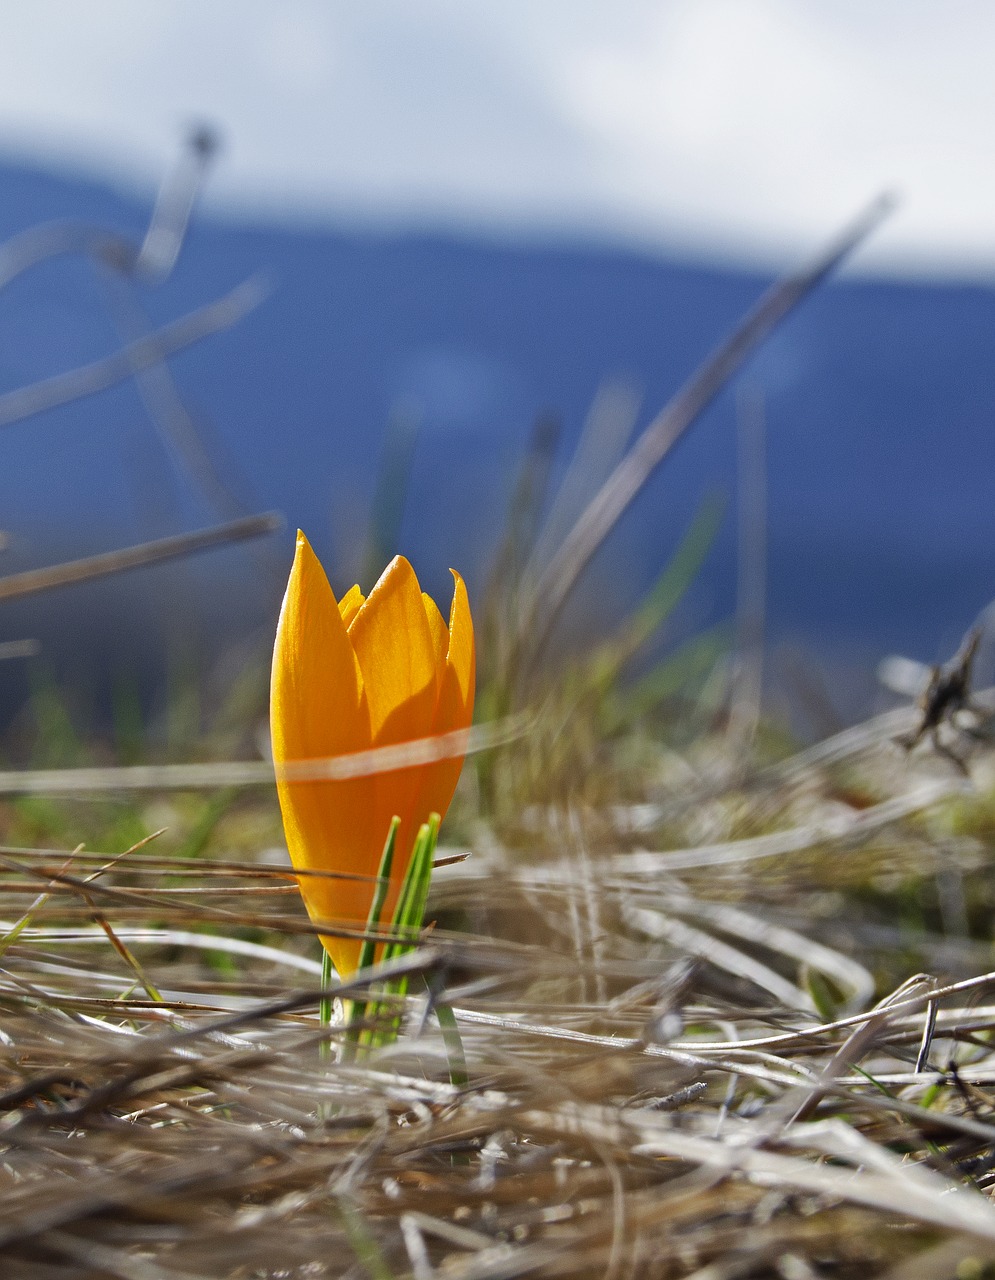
(472, 233)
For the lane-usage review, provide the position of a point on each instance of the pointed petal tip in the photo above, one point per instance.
(306, 564)
(462, 655)
(303, 548)
(398, 570)
(393, 641)
(460, 607)
(398, 564)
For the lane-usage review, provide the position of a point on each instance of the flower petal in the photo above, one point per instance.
(439, 631)
(317, 688)
(393, 644)
(454, 709)
(461, 656)
(318, 709)
(350, 604)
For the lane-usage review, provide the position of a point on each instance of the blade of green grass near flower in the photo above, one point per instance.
(374, 1023)
(409, 919)
(680, 672)
(606, 664)
(326, 1003)
(410, 911)
(872, 1080)
(367, 956)
(406, 924)
(679, 573)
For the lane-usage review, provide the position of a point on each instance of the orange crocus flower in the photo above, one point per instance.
(348, 676)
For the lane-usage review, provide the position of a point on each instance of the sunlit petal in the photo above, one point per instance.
(461, 657)
(454, 709)
(393, 643)
(316, 681)
(350, 605)
(318, 709)
(439, 632)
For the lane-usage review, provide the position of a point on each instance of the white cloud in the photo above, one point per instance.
(766, 121)
(745, 125)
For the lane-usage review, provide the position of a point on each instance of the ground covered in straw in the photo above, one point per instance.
(737, 1023)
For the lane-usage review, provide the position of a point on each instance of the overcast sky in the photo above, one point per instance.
(750, 128)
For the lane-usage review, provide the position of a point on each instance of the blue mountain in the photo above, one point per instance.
(879, 401)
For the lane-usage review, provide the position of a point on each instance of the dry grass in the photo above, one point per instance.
(696, 1041)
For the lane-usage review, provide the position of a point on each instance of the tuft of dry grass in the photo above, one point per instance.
(736, 1026)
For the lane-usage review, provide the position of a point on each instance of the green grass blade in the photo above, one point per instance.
(406, 925)
(367, 954)
(680, 573)
(356, 1012)
(410, 913)
(325, 1004)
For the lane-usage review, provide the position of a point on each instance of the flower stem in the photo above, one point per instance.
(325, 1004)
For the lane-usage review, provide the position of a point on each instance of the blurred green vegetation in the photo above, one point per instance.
(52, 732)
